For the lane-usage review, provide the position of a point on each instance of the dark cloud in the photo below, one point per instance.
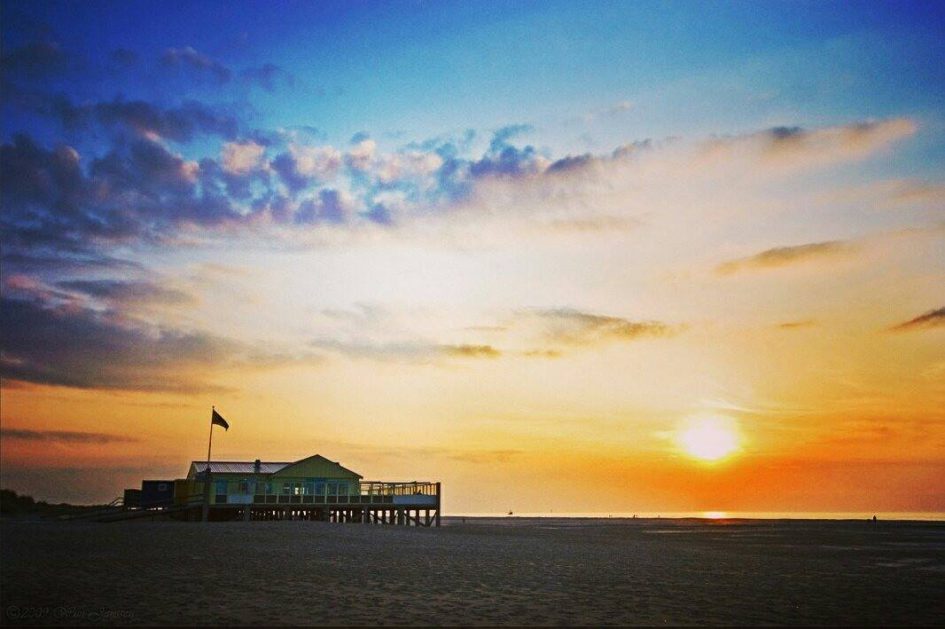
(509, 162)
(785, 133)
(327, 208)
(122, 291)
(64, 436)
(138, 191)
(32, 175)
(500, 139)
(504, 160)
(74, 347)
(180, 124)
(572, 327)
(140, 118)
(379, 214)
(287, 168)
(783, 256)
(931, 319)
(34, 60)
(64, 261)
(575, 162)
(189, 58)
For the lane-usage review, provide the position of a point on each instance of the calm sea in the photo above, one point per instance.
(924, 516)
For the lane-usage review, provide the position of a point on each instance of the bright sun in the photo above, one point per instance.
(708, 438)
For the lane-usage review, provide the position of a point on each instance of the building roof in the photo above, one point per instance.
(315, 465)
(239, 467)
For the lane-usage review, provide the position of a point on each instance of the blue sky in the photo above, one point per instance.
(429, 68)
(526, 235)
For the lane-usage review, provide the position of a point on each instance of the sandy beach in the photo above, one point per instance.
(478, 572)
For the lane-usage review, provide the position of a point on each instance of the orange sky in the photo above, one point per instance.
(529, 279)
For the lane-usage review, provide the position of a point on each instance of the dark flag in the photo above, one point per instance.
(218, 420)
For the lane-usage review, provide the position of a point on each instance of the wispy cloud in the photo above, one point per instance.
(784, 256)
(128, 292)
(795, 325)
(407, 351)
(189, 58)
(931, 319)
(573, 327)
(471, 351)
(64, 436)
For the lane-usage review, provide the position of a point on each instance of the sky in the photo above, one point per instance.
(566, 257)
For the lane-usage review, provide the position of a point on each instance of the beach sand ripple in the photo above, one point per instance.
(499, 571)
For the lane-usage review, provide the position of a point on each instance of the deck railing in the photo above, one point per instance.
(370, 492)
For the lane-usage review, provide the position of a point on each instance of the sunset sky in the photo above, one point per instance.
(561, 256)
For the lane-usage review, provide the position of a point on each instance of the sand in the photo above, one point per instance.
(483, 572)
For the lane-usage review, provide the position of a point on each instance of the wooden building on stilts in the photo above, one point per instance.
(313, 488)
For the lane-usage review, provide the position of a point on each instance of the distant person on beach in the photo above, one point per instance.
(874, 518)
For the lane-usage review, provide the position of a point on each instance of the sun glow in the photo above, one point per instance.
(709, 438)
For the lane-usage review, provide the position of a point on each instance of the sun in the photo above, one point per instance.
(708, 438)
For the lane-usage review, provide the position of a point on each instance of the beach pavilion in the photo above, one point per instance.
(313, 488)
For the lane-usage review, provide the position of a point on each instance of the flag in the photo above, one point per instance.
(218, 420)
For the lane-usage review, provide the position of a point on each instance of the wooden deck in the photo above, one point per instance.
(402, 503)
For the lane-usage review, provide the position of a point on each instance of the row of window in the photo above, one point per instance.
(291, 488)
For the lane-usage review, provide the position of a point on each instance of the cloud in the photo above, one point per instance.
(34, 60)
(543, 353)
(75, 347)
(573, 327)
(422, 352)
(242, 157)
(471, 351)
(330, 206)
(931, 319)
(128, 292)
(64, 436)
(189, 58)
(795, 148)
(360, 156)
(180, 124)
(784, 256)
(305, 165)
(137, 189)
(795, 325)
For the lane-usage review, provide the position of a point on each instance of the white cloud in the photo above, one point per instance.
(319, 162)
(241, 158)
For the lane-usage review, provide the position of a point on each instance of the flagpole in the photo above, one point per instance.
(210, 443)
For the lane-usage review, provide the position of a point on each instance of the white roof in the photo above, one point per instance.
(239, 467)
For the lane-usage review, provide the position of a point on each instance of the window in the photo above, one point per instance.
(244, 486)
(342, 489)
(319, 489)
(287, 488)
(221, 487)
(332, 489)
